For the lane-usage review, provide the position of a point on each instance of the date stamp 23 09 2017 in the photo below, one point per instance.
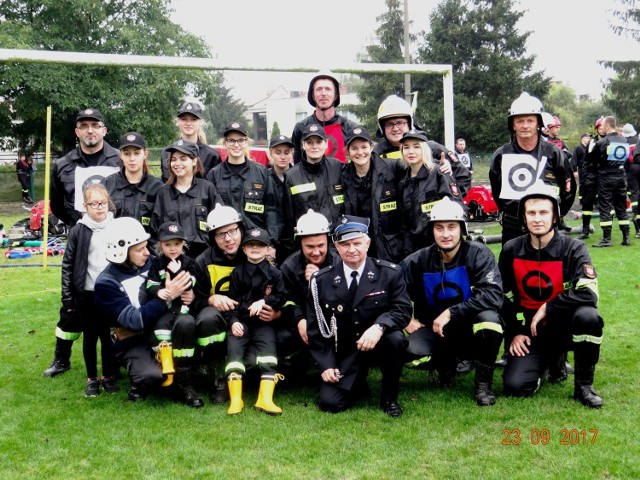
(544, 436)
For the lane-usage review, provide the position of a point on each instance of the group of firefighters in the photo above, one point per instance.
(340, 265)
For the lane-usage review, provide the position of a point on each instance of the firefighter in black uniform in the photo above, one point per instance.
(186, 199)
(611, 153)
(526, 158)
(356, 310)
(588, 177)
(133, 189)
(24, 171)
(190, 122)
(246, 185)
(633, 178)
(421, 188)
(313, 254)
(456, 291)
(324, 95)
(371, 191)
(91, 161)
(315, 182)
(213, 273)
(93, 154)
(551, 295)
(395, 118)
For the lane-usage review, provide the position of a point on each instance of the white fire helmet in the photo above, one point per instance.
(446, 210)
(525, 104)
(121, 234)
(394, 106)
(222, 216)
(312, 223)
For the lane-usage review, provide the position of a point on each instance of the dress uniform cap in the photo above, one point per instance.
(280, 140)
(170, 231)
(313, 130)
(236, 127)
(132, 139)
(350, 227)
(185, 146)
(257, 235)
(194, 108)
(357, 133)
(89, 113)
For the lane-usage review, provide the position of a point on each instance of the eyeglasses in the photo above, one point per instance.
(98, 204)
(229, 233)
(399, 123)
(240, 142)
(92, 126)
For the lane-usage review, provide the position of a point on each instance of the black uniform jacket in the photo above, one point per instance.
(317, 186)
(296, 136)
(189, 209)
(381, 298)
(386, 228)
(557, 172)
(467, 286)
(63, 180)
(75, 263)
(611, 154)
(253, 193)
(134, 200)
(560, 275)
(419, 194)
(213, 275)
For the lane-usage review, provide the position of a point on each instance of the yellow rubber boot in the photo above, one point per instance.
(235, 393)
(165, 351)
(265, 395)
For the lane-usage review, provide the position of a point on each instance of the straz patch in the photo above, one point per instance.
(388, 206)
(589, 271)
(454, 189)
(253, 208)
(338, 199)
(203, 226)
(537, 282)
(427, 207)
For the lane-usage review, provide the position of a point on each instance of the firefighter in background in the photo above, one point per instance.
(456, 290)
(324, 95)
(395, 118)
(356, 310)
(553, 130)
(526, 158)
(371, 191)
(588, 176)
(633, 174)
(611, 154)
(421, 188)
(23, 171)
(463, 154)
(132, 319)
(313, 252)
(550, 283)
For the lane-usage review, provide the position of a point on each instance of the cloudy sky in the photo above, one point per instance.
(568, 37)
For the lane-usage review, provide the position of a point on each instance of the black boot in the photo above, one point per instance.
(606, 238)
(584, 234)
(562, 226)
(626, 240)
(558, 371)
(636, 224)
(61, 360)
(583, 390)
(183, 391)
(220, 393)
(482, 382)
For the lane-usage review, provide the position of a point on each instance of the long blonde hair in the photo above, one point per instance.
(427, 155)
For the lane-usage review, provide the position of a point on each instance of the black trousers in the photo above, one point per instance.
(389, 354)
(94, 328)
(262, 337)
(612, 195)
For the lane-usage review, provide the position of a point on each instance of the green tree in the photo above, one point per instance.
(143, 99)
(375, 87)
(275, 130)
(622, 93)
(490, 69)
(220, 110)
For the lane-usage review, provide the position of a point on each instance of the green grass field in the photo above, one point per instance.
(49, 430)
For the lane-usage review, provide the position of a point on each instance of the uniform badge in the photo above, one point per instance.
(371, 275)
(313, 128)
(235, 125)
(454, 189)
(255, 232)
(173, 228)
(589, 271)
(357, 131)
(189, 107)
(257, 186)
(337, 280)
(340, 308)
(88, 111)
(131, 138)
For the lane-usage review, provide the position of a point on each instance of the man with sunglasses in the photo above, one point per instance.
(91, 161)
